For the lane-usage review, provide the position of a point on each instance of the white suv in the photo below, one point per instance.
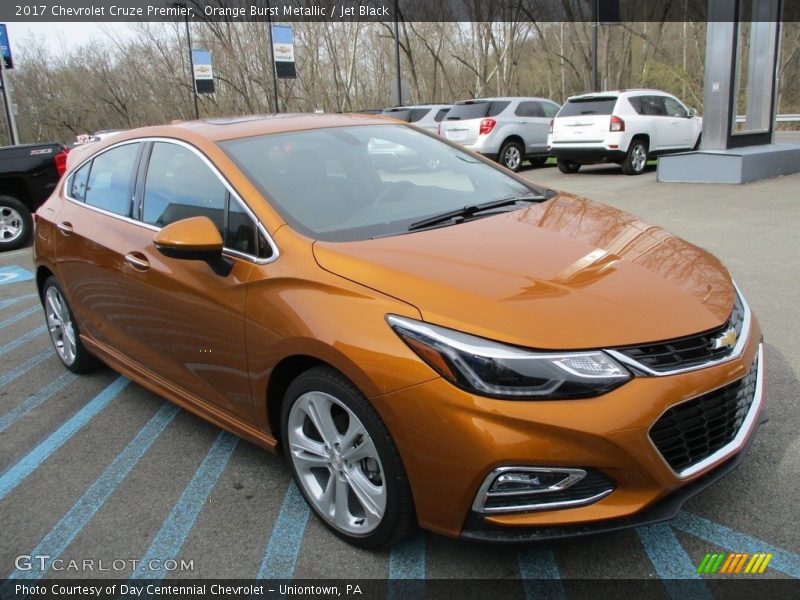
(508, 130)
(427, 116)
(627, 127)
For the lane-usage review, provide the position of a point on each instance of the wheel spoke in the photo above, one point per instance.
(52, 303)
(318, 410)
(369, 495)
(341, 514)
(311, 454)
(355, 430)
(366, 449)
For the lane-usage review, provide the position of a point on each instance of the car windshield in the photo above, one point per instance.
(588, 106)
(356, 183)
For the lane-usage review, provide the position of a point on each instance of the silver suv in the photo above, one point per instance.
(427, 116)
(508, 130)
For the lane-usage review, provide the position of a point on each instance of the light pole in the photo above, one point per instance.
(272, 58)
(12, 124)
(397, 53)
(191, 58)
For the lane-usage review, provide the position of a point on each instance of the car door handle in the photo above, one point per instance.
(137, 261)
(65, 227)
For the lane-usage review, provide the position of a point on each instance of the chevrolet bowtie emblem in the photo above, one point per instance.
(726, 340)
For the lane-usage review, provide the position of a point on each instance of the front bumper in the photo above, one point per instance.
(450, 440)
(476, 528)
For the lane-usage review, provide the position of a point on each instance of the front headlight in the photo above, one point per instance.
(492, 369)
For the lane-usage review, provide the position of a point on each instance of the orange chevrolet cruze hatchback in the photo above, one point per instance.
(428, 337)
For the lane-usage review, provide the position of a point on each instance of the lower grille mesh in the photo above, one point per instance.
(692, 431)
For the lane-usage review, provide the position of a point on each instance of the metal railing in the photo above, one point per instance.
(789, 118)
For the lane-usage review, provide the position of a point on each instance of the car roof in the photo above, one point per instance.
(626, 92)
(412, 106)
(228, 128)
(504, 99)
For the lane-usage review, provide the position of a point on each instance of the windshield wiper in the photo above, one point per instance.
(461, 214)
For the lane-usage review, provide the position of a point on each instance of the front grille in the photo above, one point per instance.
(593, 484)
(692, 431)
(689, 351)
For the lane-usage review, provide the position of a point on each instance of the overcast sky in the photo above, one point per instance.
(68, 35)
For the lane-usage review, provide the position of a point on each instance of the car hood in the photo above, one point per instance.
(567, 273)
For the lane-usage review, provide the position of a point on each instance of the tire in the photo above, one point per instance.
(64, 332)
(16, 224)
(568, 166)
(636, 160)
(511, 155)
(355, 452)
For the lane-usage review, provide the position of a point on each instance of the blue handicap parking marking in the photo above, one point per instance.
(14, 274)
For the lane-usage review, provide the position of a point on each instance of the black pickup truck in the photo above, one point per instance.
(28, 175)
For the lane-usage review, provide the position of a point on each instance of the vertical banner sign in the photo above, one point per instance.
(6, 47)
(203, 74)
(283, 48)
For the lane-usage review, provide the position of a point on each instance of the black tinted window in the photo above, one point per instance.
(441, 114)
(240, 233)
(588, 106)
(529, 109)
(180, 185)
(409, 115)
(110, 178)
(469, 110)
(79, 183)
(476, 110)
(649, 105)
(496, 108)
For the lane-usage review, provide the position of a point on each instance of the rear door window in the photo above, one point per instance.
(110, 181)
(652, 106)
(441, 114)
(598, 105)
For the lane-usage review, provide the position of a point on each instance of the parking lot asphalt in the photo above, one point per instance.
(94, 467)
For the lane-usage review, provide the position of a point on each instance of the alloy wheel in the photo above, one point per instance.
(11, 224)
(638, 158)
(60, 325)
(512, 158)
(337, 463)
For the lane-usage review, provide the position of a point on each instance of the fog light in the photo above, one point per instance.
(514, 489)
(525, 482)
(534, 480)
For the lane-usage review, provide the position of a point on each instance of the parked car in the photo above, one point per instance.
(508, 130)
(427, 116)
(450, 346)
(628, 127)
(28, 175)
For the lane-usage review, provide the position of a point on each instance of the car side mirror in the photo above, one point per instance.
(196, 238)
(692, 113)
